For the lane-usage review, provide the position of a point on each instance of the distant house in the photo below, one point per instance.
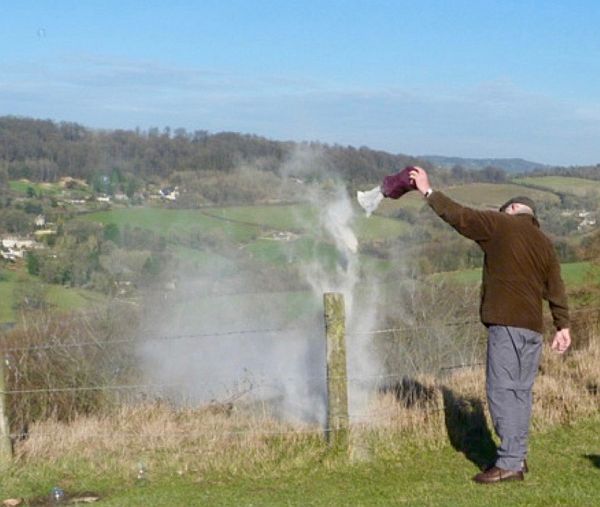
(13, 248)
(40, 221)
(588, 220)
(103, 198)
(169, 193)
(120, 196)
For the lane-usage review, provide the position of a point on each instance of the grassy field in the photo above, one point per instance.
(564, 465)
(242, 222)
(21, 187)
(565, 468)
(576, 186)
(488, 195)
(62, 298)
(424, 453)
(166, 221)
(574, 274)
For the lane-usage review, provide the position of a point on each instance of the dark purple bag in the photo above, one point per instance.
(396, 185)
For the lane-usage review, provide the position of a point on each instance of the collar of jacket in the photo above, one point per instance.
(527, 216)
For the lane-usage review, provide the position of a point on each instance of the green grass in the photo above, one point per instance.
(290, 217)
(576, 186)
(574, 274)
(412, 201)
(21, 186)
(241, 223)
(378, 227)
(490, 195)
(61, 298)
(564, 470)
(167, 221)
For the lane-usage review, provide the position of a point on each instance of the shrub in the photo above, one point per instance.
(59, 365)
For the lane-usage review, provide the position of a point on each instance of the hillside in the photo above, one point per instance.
(42, 150)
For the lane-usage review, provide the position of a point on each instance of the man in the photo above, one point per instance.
(520, 270)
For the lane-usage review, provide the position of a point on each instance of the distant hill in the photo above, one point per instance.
(511, 165)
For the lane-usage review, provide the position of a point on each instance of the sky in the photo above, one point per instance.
(468, 78)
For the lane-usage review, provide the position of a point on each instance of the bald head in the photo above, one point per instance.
(518, 208)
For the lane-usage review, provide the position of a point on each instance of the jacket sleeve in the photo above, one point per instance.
(556, 296)
(473, 224)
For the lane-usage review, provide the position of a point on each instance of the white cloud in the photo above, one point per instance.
(491, 119)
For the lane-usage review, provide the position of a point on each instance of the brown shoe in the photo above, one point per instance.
(524, 467)
(496, 474)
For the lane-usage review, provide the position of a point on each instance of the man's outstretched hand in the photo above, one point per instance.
(562, 341)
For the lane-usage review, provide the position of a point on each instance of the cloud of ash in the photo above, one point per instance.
(220, 337)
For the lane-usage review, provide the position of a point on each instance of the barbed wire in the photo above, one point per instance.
(97, 343)
(235, 382)
(323, 378)
(217, 334)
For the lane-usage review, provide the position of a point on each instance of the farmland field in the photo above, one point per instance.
(62, 298)
(21, 186)
(489, 195)
(241, 223)
(574, 274)
(166, 221)
(576, 186)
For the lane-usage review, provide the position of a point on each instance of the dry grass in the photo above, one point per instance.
(169, 440)
(423, 412)
(566, 389)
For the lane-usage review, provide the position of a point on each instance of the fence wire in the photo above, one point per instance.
(101, 344)
(370, 380)
(245, 332)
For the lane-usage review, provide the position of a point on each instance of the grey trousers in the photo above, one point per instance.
(513, 357)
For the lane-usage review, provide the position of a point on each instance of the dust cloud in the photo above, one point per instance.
(220, 337)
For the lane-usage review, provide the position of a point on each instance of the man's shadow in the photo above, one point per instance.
(594, 458)
(467, 428)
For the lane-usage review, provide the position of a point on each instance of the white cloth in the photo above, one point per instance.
(370, 199)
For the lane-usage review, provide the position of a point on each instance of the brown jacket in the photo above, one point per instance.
(520, 266)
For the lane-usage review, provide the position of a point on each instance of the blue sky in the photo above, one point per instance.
(459, 78)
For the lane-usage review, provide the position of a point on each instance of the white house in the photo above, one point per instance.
(13, 248)
(40, 221)
(169, 193)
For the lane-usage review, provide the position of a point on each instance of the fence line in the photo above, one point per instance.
(252, 387)
(216, 334)
(268, 382)
(97, 343)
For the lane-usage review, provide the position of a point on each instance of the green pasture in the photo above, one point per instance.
(574, 274)
(242, 223)
(61, 298)
(174, 222)
(21, 186)
(491, 195)
(564, 184)
(203, 260)
(288, 217)
(564, 465)
(254, 229)
(412, 201)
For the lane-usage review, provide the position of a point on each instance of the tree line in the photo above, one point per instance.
(43, 150)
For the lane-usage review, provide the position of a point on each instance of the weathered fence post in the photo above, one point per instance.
(5, 445)
(337, 384)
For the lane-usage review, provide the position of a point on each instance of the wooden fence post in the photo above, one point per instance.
(5, 444)
(337, 382)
